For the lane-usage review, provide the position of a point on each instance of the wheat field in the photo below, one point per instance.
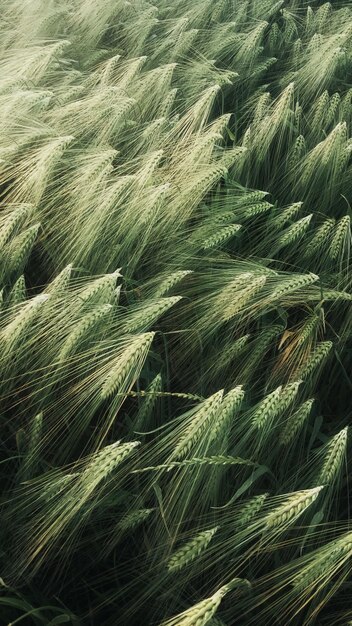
(175, 312)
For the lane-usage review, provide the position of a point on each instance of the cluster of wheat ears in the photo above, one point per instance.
(176, 312)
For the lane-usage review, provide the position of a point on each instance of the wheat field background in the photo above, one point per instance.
(176, 312)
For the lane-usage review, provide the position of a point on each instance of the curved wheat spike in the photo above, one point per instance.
(292, 508)
(201, 422)
(127, 364)
(190, 550)
(201, 613)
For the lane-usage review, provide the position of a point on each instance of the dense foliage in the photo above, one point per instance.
(176, 321)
